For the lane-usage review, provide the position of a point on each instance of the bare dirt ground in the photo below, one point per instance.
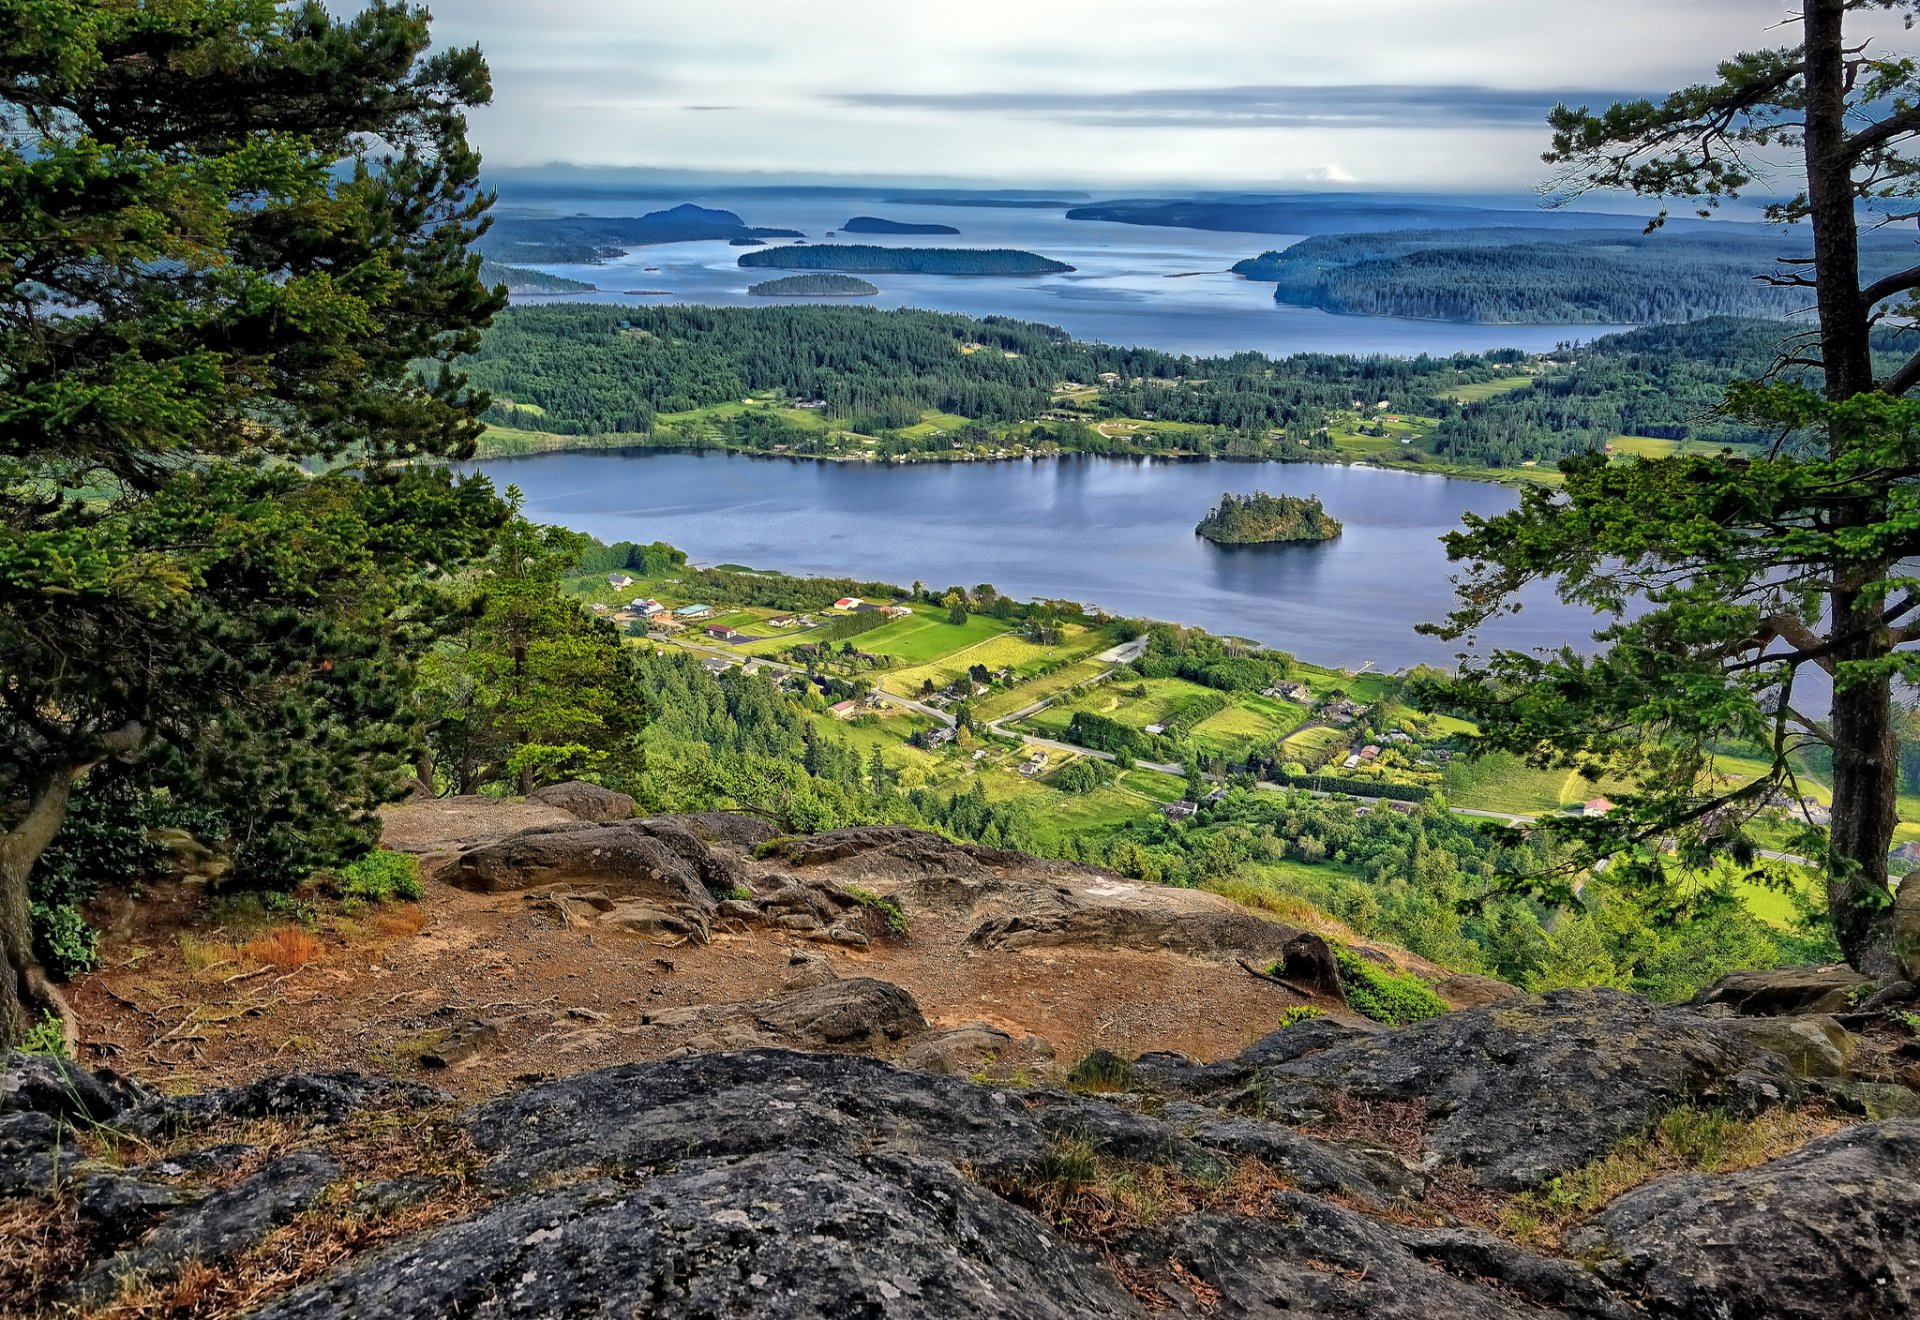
(196, 999)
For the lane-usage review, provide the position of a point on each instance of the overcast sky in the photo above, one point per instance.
(1383, 93)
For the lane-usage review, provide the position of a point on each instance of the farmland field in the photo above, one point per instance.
(926, 637)
(1001, 651)
(1251, 722)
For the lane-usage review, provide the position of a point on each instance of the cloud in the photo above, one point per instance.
(1357, 105)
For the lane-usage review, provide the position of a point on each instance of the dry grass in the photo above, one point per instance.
(371, 1147)
(206, 955)
(1686, 1140)
(398, 923)
(1399, 1125)
(1091, 1197)
(41, 1247)
(284, 948)
(1260, 897)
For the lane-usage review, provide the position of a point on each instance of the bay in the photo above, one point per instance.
(1116, 533)
(1159, 288)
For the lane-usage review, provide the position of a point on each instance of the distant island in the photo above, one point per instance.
(865, 259)
(1263, 519)
(747, 242)
(589, 240)
(1002, 203)
(519, 280)
(873, 224)
(814, 286)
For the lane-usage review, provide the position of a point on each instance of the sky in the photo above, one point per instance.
(1411, 94)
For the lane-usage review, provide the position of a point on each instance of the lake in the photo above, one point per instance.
(1115, 533)
(1160, 288)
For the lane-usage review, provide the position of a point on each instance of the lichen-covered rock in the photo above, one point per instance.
(43, 1084)
(324, 1098)
(1785, 990)
(777, 1234)
(1525, 1091)
(217, 1229)
(1830, 1232)
(653, 860)
(1311, 1258)
(584, 801)
(978, 1049)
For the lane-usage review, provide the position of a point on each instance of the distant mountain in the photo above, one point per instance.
(591, 239)
(866, 260)
(873, 224)
(518, 280)
(1337, 216)
(823, 285)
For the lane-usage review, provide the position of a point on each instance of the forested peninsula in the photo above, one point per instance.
(888, 384)
(824, 285)
(873, 224)
(1545, 275)
(1263, 519)
(866, 259)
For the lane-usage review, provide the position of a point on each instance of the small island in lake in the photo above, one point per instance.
(746, 242)
(865, 259)
(873, 224)
(814, 286)
(1263, 519)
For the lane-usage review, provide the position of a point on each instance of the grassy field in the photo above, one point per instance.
(1502, 782)
(1114, 700)
(1003, 651)
(1250, 723)
(1312, 745)
(1481, 390)
(1007, 701)
(927, 636)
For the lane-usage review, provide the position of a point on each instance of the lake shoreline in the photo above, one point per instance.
(617, 444)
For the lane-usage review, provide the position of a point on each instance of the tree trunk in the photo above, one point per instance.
(1844, 329)
(26, 991)
(1866, 782)
(1866, 761)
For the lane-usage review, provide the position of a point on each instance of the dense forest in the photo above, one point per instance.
(866, 259)
(1260, 519)
(823, 285)
(1547, 275)
(1666, 382)
(521, 237)
(592, 370)
(873, 224)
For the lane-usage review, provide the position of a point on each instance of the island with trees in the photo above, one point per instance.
(873, 224)
(1263, 519)
(865, 259)
(823, 285)
(1544, 274)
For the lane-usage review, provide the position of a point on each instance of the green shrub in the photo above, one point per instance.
(1101, 1070)
(1389, 997)
(381, 877)
(68, 945)
(890, 911)
(45, 1037)
(1299, 1013)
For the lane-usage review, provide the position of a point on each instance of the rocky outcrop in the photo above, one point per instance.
(1523, 1091)
(771, 1183)
(654, 860)
(823, 1012)
(1830, 1232)
(1013, 901)
(1786, 990)
(584, 801)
